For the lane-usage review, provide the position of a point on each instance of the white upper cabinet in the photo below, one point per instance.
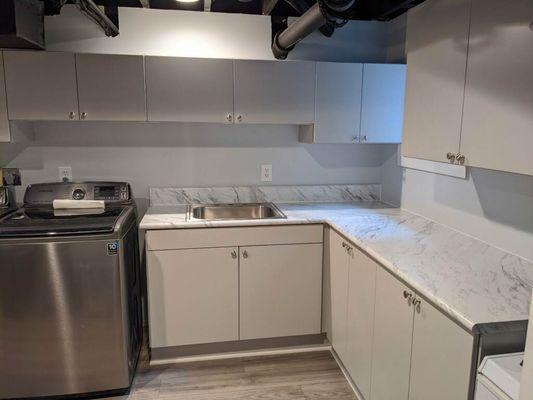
(111, 87)
(498, 110)
(41, 85)
(437, 43)
(382, 103)
(274, 92)
(189, 89)
(4, 122)
(338, 103)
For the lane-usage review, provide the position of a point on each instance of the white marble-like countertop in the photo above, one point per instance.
(472, 282)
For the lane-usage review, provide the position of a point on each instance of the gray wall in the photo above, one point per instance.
(496, 207)
(161, 154)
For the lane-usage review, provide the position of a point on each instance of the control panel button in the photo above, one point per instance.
(78, 194)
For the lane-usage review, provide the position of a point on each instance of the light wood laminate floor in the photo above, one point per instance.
(303, 376)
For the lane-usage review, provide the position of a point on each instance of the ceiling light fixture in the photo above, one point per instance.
(187, 1)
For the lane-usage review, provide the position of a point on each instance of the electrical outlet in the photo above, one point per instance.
(266, 173)
(65, 174)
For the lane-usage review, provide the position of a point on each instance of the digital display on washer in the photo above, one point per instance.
(106, 191)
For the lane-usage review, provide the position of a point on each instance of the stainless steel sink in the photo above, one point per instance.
(214, 212)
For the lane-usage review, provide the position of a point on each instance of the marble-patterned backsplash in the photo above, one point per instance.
(169, 196)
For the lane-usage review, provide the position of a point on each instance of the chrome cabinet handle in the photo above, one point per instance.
(460, 158)
(71, 115)
(451, 157)
(408, 296)
(416, 303)
(347, 247)
(244, 254)
(229, 117)
(233, 254)
(83, 115)
(354, 138)
(239, 118)
(364, 139)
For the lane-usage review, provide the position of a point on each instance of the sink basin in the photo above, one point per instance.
(234, 211)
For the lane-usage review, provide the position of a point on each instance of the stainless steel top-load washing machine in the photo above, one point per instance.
(70, 321)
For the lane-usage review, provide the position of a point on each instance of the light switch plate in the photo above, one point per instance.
(65, 174)
(266, 173)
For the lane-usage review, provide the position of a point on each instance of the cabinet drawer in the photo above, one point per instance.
(241, 236)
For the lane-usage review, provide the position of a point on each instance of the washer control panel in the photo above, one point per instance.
(43, 194)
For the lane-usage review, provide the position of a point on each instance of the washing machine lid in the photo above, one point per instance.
(504, 371)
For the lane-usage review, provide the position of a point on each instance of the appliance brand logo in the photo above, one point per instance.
(112, 248)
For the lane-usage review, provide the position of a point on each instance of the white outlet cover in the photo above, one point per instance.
(266, 173)
(65, 174)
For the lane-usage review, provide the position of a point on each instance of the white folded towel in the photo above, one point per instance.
(69, 204)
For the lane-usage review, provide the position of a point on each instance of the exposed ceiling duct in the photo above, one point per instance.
(333, 13)
(107, 21)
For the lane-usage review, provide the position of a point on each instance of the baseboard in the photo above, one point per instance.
(239, 349)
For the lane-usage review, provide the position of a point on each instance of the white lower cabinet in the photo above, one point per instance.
(360, 319)
(393, 344)
(441, 361)
(352, 283)
(280, 290)
(267, 285)
(393, 334)
(193, 296)
(339, 264)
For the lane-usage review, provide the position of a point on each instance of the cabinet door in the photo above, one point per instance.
(360, 319)
(111, 87)
(280, 290)
(189, 89)
(338, 279)
(437, 39)
(41, 85)
(193, 296)
(4, 122)
(383, 103)
(338, 102)
(441, 362)
(275, 92)
(498, 112)
(393, 333)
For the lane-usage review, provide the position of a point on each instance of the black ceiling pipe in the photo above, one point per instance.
(322, 13)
